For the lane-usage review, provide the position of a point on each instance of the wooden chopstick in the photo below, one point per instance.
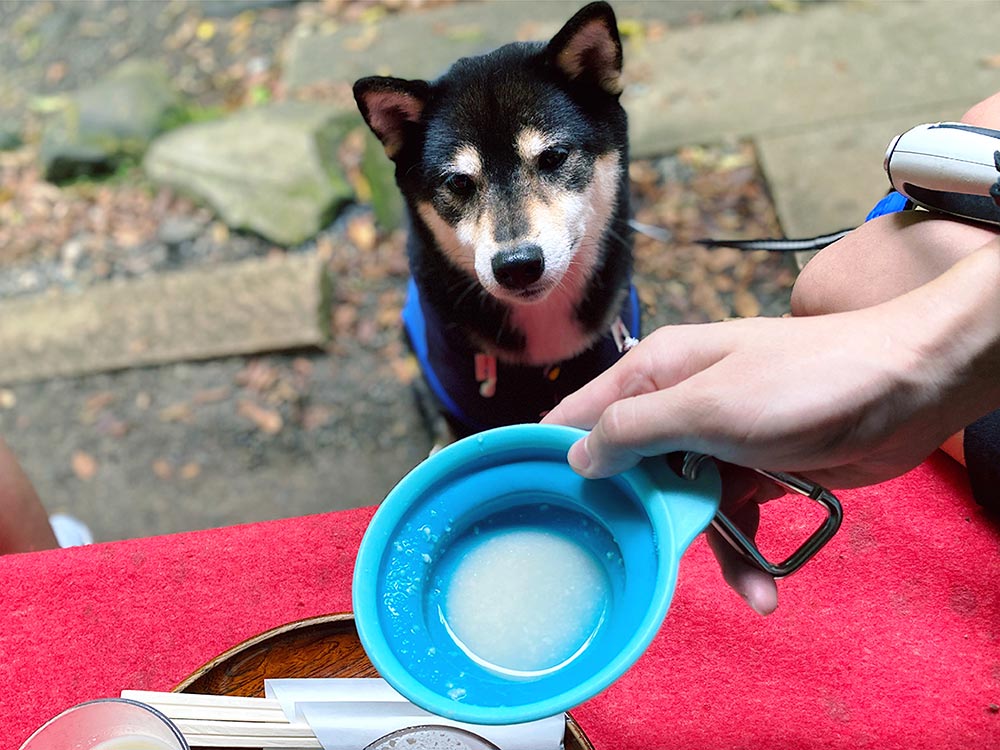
(197, 699)
(229, 721)
(222, 728)
(192, 706)
(287, 743)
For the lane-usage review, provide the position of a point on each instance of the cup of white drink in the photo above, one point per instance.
(494, 585)
(108, 724)
(431, 737)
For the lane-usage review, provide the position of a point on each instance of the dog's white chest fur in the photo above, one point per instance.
(551, 330)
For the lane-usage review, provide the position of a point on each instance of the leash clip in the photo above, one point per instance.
(748, 550)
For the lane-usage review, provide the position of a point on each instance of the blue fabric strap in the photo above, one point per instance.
(892, 203)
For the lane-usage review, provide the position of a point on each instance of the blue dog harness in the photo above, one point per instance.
(981, 440)
(478, 392)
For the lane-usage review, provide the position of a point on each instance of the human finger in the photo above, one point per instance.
(666, 357)
(757, 588)
(649, 424)
(742, 491)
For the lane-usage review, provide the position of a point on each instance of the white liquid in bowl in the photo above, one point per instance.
(523, 600)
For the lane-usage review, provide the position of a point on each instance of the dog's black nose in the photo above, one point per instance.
(520, 267)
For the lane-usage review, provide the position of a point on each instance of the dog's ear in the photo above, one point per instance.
(588, 48)
(391, 107)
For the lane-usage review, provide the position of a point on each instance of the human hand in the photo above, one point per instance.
(835, 396)
(781, 394)
(850, 399)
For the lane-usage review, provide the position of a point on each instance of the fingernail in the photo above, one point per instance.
(579, 456)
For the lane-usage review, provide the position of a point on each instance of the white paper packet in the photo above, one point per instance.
(349, 714)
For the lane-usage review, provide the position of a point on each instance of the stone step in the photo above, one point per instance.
(785, 73)
(829, 178)
(424, 44)
(253, 306)
(821, 92)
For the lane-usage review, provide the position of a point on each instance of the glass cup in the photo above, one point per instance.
(431, 738)
(108, 724)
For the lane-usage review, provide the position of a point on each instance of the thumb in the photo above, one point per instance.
(633, 428)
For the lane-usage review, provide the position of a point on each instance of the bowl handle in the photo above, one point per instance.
(692, 501)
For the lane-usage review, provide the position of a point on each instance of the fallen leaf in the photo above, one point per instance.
(268, 421)
(163, 469)
(786, 6)
(94, 405)
(361, 232)
(257, 376)
(190, 470)
(205, 31)
(7, 399)
(211, 395)
(344, 318)
(724, 283)
(108, 425)
(84, 465)
(406, 369)
(707, 300)
(389, 317)
(367, 331)
(56, 72)
(631, 28)
(129, 235)
(220, 233)
(283, 393)
(314, 417)
(324, 247)
(99, 400)
(991, 61)
(745, 304)
(180, 412)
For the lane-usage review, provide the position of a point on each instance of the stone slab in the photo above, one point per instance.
(784, 73)
(425, 44)
(272, 169)
(828, 178)
(258, 305)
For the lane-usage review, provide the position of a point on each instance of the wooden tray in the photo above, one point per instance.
(325, 646)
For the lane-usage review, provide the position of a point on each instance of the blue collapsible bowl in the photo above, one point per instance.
(635, 525)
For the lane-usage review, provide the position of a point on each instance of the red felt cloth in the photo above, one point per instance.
(890, 638)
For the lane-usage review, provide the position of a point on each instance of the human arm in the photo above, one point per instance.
(24, 524)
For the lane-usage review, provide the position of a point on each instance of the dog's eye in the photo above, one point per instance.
(460, 184)
(552, 158)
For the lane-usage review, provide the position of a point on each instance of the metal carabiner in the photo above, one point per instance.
(747, 549)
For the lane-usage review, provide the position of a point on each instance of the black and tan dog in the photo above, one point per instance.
(514, 168)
